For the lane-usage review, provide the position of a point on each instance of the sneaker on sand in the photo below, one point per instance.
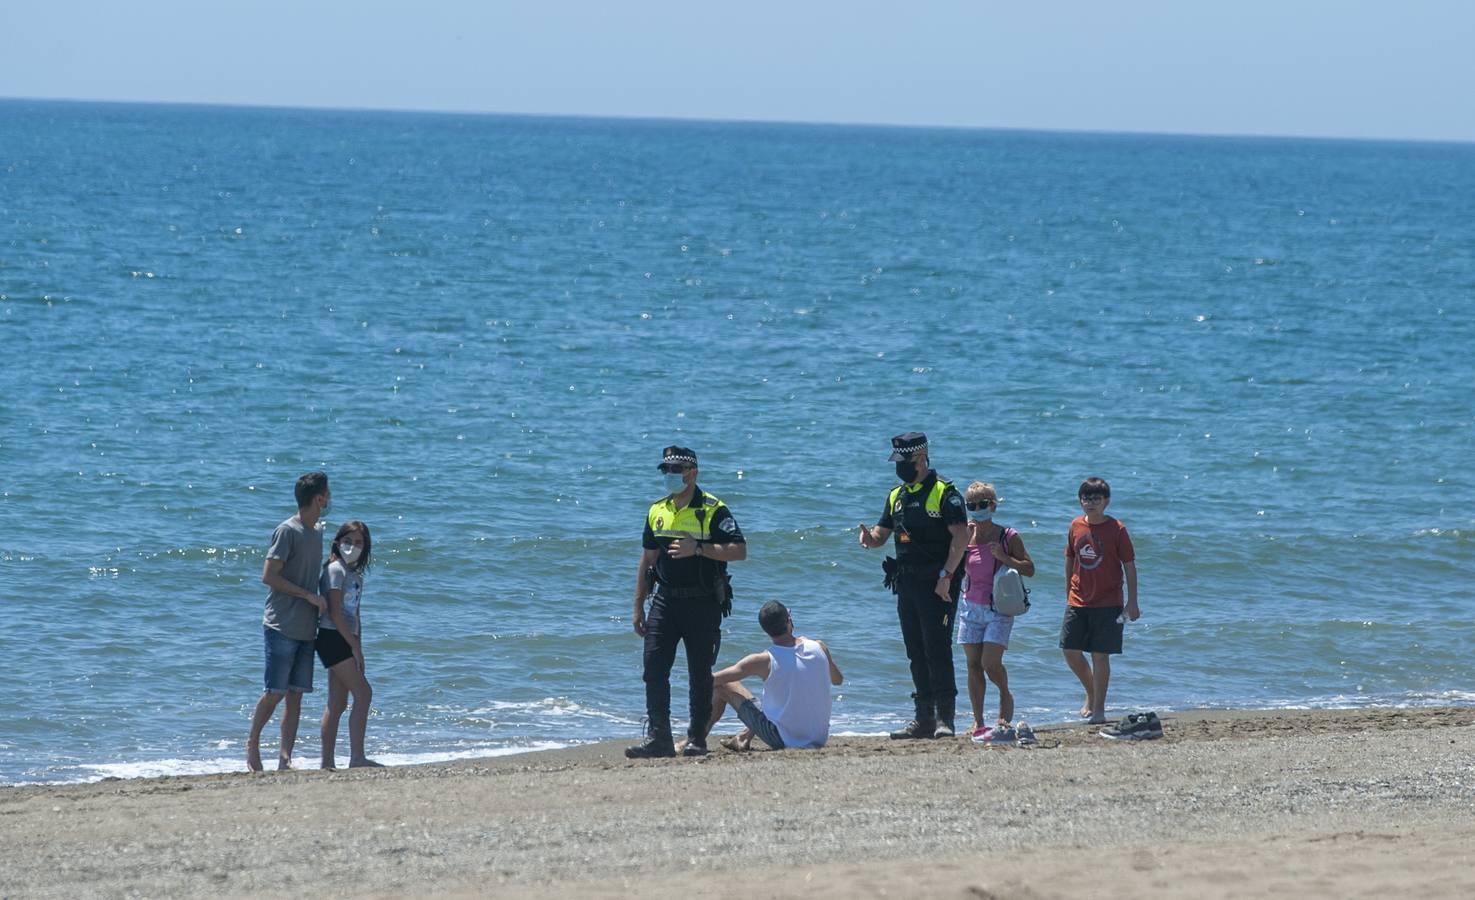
(943, 729)
(1001, 734)
(979, 733)
(1026, 735)
(1135, 727)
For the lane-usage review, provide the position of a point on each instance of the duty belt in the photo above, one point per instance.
(915, 569)
(666, 592)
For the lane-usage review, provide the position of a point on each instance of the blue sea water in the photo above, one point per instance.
(485, 329)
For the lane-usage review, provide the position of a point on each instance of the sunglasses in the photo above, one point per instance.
(1093, 498)
(979, 504)
(675, 468)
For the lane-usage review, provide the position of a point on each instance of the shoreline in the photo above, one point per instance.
(1211, 808)
(1197, 716)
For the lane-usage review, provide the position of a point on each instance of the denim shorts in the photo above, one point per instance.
(288, 663)
(979, 624)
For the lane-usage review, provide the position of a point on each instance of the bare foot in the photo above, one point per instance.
(365, 763)
(736, 744)
(1098, 719)
(1086, 709)
(329, 766)
(284, 763)
(253, 757)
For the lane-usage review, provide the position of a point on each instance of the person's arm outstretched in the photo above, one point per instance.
(754, 665)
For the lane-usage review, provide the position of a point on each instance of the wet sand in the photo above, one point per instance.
(1319, 803)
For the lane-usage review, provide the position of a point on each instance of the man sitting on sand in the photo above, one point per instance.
(797, 673)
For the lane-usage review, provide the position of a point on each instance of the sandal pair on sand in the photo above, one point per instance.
(1005, 735)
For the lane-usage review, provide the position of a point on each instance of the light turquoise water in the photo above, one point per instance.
(485, 329)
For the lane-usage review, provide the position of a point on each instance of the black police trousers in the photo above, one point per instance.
(927, 631)
(696, 622)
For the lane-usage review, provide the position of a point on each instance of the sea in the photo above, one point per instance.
(485, 328)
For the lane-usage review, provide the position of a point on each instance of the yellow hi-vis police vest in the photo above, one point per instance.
(691, 521)
(934, 499)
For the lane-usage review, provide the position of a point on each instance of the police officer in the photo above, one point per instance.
(926, 514)
(690, 537)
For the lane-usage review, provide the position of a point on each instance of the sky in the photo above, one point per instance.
(1320, 68)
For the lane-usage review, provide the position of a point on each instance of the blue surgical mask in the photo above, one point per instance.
(981, 515)
(675, 482)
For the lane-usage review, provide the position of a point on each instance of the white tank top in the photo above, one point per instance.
(796, 696)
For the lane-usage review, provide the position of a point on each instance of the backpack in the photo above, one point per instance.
(1011, 597)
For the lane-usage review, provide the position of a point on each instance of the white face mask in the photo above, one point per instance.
(349, 552)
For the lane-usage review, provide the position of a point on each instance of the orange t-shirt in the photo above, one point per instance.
(1096, 554)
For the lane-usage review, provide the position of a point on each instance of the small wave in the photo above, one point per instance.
(218, 765)
(559, 707)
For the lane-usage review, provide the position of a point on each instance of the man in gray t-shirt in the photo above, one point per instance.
(300, 550)
(290, 622)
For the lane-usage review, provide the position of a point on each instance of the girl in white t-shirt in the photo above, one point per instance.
(339, 645)
(983, 632)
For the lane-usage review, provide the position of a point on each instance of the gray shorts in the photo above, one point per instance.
(754, 718)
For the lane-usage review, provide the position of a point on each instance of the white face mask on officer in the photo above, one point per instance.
(675, 482)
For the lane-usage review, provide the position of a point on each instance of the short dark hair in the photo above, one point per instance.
(347, 527)
(1094, 485)
(773, 618)
(310, 487)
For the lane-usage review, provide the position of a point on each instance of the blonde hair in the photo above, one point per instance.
(981, 490)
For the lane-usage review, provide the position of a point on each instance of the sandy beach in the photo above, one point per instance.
(1317, 803)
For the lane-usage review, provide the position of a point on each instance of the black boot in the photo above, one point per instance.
(920, 727)
(695, 746)
(657, 743)
(915, 729)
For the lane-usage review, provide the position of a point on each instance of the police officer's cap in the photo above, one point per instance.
(678, 455)
(905, 446)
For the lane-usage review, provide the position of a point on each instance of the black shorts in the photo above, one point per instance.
(1093, 629)
(332, 648)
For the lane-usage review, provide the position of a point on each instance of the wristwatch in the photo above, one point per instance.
(944, 574)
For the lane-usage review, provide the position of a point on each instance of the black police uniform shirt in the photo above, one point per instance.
(693, 571)
(922, 540)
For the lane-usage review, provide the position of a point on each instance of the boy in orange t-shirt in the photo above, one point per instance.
(1098, 552)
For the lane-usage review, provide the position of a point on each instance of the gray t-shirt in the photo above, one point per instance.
(301, 551)
(338, 577)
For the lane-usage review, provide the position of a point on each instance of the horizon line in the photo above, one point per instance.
(704, 120)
